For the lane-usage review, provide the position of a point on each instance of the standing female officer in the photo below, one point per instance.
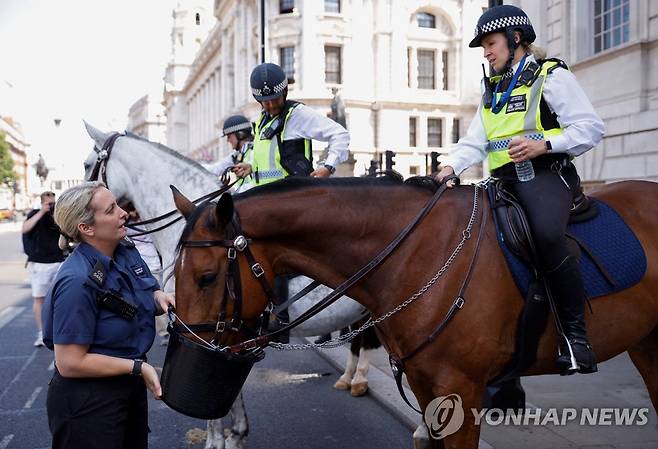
(537, 119)
(99, 319)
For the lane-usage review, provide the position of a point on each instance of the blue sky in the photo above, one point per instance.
(78, 59)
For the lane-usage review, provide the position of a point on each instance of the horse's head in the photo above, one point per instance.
(99, 138)
(216, 280)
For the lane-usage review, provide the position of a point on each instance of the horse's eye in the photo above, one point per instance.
(207, 279)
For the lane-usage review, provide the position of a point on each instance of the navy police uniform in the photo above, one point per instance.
(107, 304)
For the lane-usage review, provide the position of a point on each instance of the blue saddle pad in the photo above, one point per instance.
(609, 239)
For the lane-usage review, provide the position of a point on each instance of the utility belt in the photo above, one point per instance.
(555, 162)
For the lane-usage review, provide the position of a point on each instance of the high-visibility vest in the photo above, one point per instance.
(520, 116)
(264, 157)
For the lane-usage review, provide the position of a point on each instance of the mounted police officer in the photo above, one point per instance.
(529, 128)
(284, 130)
(238, 131)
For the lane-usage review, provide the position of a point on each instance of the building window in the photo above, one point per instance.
(332, 65)
(455, 130)
(332, 6)
(426, 20)
(409, 70)
(434, 137)
(611, 23)
(444, 59)
(286, 6)
(412, 132)
(426, 78)
(414, 170)
(287, 61)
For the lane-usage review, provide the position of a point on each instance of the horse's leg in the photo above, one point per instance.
(345, 381)
(360, 381)
(240, 427)
(215, 434)
(645, 358)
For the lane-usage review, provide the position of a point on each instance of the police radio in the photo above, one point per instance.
(488, 94)
(115, 303)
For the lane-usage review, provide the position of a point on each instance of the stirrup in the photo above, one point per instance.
(573, 363)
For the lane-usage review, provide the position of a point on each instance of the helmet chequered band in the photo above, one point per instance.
(502, 22)
(236, 128)
(267, 91)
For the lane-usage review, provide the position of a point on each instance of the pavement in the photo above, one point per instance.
(616, 388)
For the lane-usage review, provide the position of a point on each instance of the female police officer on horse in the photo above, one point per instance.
(99, 319)
(535, 121)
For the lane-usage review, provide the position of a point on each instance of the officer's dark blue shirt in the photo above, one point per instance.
(72, 315)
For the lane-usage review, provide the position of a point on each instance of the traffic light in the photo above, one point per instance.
(435, 161)
(389, 160)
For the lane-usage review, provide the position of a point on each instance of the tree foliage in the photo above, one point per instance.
(7, 172)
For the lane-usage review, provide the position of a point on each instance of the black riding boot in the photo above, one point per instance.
(282, 318)
(569, 294)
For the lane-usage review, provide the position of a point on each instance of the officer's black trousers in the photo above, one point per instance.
(547, 204)
(98, 413)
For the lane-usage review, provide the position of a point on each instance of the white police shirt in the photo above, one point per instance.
(307, 123)
(583, 128)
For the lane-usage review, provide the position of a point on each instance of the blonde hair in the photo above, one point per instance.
(74, 207)
(537, 52)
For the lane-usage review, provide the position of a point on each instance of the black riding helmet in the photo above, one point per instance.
(236, 123)
(506, 18)
(268, 81)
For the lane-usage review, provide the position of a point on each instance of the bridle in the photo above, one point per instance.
(237, 243)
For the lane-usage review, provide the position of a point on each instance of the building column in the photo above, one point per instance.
(413, 67)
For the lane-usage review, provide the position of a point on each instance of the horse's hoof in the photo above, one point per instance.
(359, 389)
(341, 385)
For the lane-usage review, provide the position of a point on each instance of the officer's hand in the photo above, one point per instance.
(443, 173)
(241, 170)
(321, 172)
(163, 301)
(523, 149)
(151, 380)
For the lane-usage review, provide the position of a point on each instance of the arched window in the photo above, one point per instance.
(426, 20)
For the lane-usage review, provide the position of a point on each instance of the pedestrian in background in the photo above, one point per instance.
(99, 319)
(44, 255)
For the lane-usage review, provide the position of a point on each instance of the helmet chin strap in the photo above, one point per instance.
(513, 45)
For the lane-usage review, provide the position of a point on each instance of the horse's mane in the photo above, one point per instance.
(295, 183)
(169, 151)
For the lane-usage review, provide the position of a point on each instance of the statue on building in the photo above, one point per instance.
(338, 109)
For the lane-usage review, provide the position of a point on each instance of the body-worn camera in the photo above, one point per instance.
(113, 302)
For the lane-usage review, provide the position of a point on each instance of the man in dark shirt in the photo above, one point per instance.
(45, 256)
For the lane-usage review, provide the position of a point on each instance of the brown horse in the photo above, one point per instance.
(357, 218)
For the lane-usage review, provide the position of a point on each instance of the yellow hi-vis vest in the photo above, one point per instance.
(264, 157)
(519, 117)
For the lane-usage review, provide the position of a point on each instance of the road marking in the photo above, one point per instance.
(18, 376)
(9, 314)
(6, 440)
(51, 366)
(33, 398)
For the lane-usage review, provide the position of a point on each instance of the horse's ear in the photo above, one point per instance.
(99, 136)
(224, 209)
(184, 206)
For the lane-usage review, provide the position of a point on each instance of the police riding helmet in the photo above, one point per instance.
(238, 124)
(268, 81)
(505, 18)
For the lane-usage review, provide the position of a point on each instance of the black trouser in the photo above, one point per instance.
(98, 413)
(547, 201)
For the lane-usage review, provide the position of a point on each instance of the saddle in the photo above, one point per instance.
(514, 225)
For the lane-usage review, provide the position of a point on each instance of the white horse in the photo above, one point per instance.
(141, 172)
